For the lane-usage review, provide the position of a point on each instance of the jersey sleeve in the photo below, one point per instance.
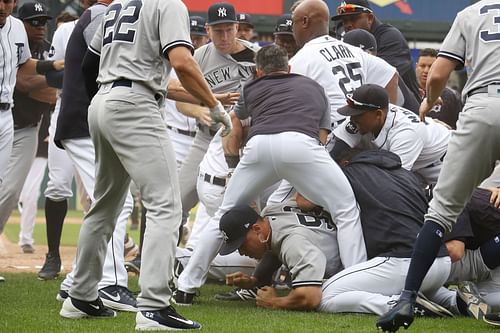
(380, 72)
(59, 41)
(454, 44)
(174, 14)
(91, 29)
(348, 132)
(326, 120)
(240, 108)
(96, 43)
(306, 262)
(25, 51)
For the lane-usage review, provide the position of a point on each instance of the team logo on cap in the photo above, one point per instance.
(224, 235)
(242, 16)
(222, 12)
(38, 7)
(194, 23)
(288, 22)
(351, 128)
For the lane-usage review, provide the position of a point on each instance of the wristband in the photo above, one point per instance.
(44, 66)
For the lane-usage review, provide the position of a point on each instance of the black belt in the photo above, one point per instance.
(4, 106)
(122, 83)
(181, 131)
(480, 90)
(214, 180)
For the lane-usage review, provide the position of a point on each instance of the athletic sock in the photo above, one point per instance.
(425, 250)
(55, 212)
(490, 251)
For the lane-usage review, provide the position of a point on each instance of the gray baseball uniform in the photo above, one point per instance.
(475, 145)
(224, 73)
(131, 142)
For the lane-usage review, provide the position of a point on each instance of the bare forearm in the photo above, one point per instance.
(28, 83)
(392, 88)
(233, 141)
(438, 77)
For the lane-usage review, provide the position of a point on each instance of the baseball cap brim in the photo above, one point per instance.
(37, 16)
(351, 111)
(222, 21)
(338, 17)
(283, 33)
(198, 33)
(230, 247)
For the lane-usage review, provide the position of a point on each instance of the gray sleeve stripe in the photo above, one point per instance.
(307, 283)
(91, 49)
(451, 56)
(178, 43)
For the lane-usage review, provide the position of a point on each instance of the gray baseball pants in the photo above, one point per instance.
(131, 142)
(472, 151)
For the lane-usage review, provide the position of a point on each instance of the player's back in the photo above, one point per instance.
(479, 28)
(340, 68)
(135, 37)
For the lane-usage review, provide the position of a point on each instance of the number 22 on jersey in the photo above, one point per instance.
(119, 21)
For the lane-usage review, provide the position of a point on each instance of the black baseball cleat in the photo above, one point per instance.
(62, 295)
(492, 319)
(51, 267)
(238, 294)
(118, 298)
(163, 320)
(401, 315)
(134, 265)
(75, 309)
(183, 298)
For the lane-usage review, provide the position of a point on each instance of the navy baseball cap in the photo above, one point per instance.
(284, 25)
(197, 25)
(221, 12)
(235, 224)
(245, 19)
(31, 10)
(362, 39)
(352, 7)
(368, 97)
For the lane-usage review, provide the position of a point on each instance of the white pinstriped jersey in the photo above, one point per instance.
(135, 37)
(304, 242)
(418, 144)
(475, 38)
(14, 51)
(340, 68)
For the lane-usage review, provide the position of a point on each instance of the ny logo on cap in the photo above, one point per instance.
(289, 22)
(242, 16)
(222, 12)
(194, 23)
(38, 7)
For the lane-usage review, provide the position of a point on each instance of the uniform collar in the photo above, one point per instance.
(381, 138)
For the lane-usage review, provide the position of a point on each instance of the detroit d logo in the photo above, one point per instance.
(224, 235)
(38, 7)
(222, 12)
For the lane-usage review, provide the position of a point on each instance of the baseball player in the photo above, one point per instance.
(227, 64)
(73, 136)
(338, 67)
(373, 122)
(245, 27)
(392, 206)
(283, 35)
(473, 148)
(16, 57)
(277, 233)
(131, 142)
(281, 143)
(32, 97)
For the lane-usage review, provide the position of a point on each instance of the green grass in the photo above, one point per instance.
(29, 305)
(69, 235)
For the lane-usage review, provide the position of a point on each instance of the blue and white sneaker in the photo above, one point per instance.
(118, 298)
(163, 320)
(75, 309)
(62, 295)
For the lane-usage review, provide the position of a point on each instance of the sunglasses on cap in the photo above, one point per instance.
(347, 8)
(356, 104)
(37, 22)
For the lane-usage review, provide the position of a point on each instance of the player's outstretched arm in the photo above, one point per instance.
(392, 88)
(33, 67)
(305, 298)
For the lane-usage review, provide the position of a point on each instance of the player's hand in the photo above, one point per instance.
(219, 115)
(241, 280)
(425, 107)
(58, 65)
(228, 99)
(203, 116)
(456, 249)
(264, 298)
(495, 196)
